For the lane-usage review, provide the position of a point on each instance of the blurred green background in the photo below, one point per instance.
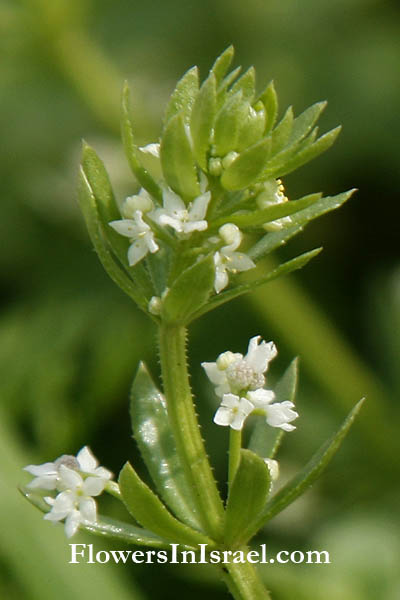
(70, 342)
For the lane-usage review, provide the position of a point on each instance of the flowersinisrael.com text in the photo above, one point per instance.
(85, 553)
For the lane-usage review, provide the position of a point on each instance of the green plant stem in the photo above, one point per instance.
(235, 444)
(244, 582)
(184, 424)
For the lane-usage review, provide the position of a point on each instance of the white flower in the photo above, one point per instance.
(46, 476)
(273, 467)
(88, 464)
(75, 503)
(235, 373)
(140, 235)
(184, 219)
(153, 149)
(227, 259)
(233, 411)
(141, 201)
(281, 414)
(274, 193)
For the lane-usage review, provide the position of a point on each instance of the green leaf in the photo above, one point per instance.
(88, 206)
(222, 64)
(104, 526)
(247, 497)
(265, 440)
(303, 124)
(227, 124)
(202, 119)
(189, 292)
(151, 430)
(177, 160)
(149, 511)
(247, 167)
(281, 134)
(283, 269)
(272, 241)
(246, 84)
(270, 101)
(309, 152)
(131, 150)
(273, 212)
(309, 474)
(100, 183)
(184, 95)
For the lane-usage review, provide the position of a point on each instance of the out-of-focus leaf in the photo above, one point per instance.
(222, 64)
(281, 134)
(303, 124)
(270, 100)
(177, 159)
(246, 84)
(151, 430)
(247, 497)
(184, 95)
(147, 509)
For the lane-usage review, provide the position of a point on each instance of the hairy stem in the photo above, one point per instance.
(244, 582)
(186, 429)
(235, 444)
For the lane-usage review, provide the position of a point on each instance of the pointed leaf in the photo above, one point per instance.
(202, 120)
(283, 269)
(282, 132)
(247, 167)
(151, 430)
(131, 150)
(227, 124)
(88, 206)
(147, 509)
(222, 64)
(246, 84)
(252, 128)
(247, 497)
(190, 291)
(310, 152)
(183, 96)
(303, 124)
(270, 101)
(177, 159)
(309, 474)
(265, 440)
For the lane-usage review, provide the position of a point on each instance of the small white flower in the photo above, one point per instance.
(140, 235)
(274, 193)
(88, 464)
(184, 219)
(141, 201)
(281, 414)
(75, 503)
(233, 411)
(235, 373)
(46, 476)
(273, 467)
(227, 259)
(153, 149)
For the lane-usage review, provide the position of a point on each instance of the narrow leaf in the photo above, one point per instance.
(246, 84)
(270, 100)
(247, 497)
(310, 473)
(190, 291)
(303, 124)
(131, 151)
(247, 167)
(177, 160)
(310, 152)
(222, 64)
(280, 135)
(147, 509)
(265, 440)
(227, 124)
(151, 430)
(283, 269)
(183, 96)
(202, 119)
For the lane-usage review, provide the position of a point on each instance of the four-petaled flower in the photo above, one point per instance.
(183, 219)
(227, 259)
(140, 234)
(233, 411)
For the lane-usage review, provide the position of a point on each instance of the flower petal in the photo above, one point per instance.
(125, 227)
(240, 262)
(93, 486)
(172, 202)
(48, 468)
(215, 375)
(153, 149)
(88, 509)
(137, 251)
(69, 479)
(72, 523)
(86, 460)
(261, 398)
(223, 416)
(281, 414)
(199, 207)
(259, 356)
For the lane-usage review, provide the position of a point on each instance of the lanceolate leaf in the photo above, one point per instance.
(147, 509)
(246, 84)
(309, 474)
(190, 291)
(283, 269)
(303, 124)
(247, 167)
(88, 206)
(222, 64)
(131, 151)
(177, 160)
(183, 96)
(152, 433)
(265, 440)
(282, 132)
(202, 119)
(227, 124)
(247, 497)
(270, 101)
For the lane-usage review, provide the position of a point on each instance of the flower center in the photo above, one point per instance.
(241, 376)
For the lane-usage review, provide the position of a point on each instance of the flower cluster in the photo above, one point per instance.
(77, 480)
(240, 381)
